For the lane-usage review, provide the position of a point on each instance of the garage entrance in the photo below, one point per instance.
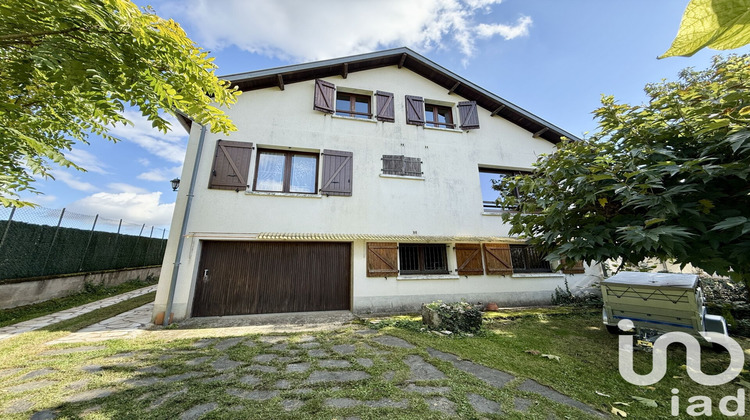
(238, 278)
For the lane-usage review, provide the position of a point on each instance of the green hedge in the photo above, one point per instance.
(29, 251)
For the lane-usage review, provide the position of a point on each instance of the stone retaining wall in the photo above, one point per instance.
(37, 290)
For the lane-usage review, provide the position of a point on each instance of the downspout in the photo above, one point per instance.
(183, 231)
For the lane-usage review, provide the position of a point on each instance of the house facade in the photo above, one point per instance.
(361, 183)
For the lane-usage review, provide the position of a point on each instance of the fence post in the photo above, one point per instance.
(2, 241)
(147, 254)
(135, 247)
(54, 239)
(114, 248)
(7, 227)
(85, 251)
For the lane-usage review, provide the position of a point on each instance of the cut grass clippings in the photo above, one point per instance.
(93, 293)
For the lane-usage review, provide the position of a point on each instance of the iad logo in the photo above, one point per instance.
(693, 363)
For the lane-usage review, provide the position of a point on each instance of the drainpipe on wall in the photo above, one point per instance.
(183, 231)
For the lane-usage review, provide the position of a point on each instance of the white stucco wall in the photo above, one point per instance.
(448, 201)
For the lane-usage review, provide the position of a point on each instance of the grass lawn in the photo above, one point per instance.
(588, 360)
(163, 375)
(91, 294)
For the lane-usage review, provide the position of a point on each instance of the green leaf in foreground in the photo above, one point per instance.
(717, 24)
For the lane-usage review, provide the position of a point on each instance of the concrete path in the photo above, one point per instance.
(125, 325)
(44, 321)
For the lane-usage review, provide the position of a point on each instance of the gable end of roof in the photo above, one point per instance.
(401, 57)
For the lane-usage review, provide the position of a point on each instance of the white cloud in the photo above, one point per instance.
(144, 161)
(73, 181)
(313, 30)
(169, 146)
(86, 160)
(161, 174)
(481, 4)
(126, 188)
(521, 28)
(130, 206)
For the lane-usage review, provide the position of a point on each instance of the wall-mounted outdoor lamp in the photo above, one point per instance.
(175, 184)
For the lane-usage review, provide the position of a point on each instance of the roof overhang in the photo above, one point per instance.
(184, 121)
(403, 58)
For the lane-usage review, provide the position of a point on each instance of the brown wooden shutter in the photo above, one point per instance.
(231, 165)
(382, 259)
(337, 173)
(575, 269)
(414, 110)
(469, 115)
(393, 164)
(469, 260)
(385, 106)
(497, 258)
(324, 96)
(412, 166)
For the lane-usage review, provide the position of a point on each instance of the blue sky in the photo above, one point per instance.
(554, 58)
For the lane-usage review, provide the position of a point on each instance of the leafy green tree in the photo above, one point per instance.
(668, 179)
(717, 24)
(69, 69)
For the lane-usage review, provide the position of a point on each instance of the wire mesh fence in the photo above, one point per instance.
(41, 242)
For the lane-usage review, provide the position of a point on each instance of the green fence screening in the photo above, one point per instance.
(41, 242)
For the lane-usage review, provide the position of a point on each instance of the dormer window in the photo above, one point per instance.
(438, 116)
(352, 105)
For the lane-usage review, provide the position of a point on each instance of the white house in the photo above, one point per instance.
(361, 183)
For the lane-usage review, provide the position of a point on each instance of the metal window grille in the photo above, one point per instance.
(526, 259)
(422, 259)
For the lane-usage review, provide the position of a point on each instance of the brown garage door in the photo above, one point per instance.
(236, 278)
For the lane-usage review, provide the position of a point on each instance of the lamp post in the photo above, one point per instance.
(175, 184)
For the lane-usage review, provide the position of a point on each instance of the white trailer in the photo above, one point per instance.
(659, 302)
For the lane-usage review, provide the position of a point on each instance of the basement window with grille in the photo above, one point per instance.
(526, 259)
(422, 259)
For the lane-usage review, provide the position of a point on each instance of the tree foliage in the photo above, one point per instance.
(717, 24)
(69, 69)
(666, 179)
